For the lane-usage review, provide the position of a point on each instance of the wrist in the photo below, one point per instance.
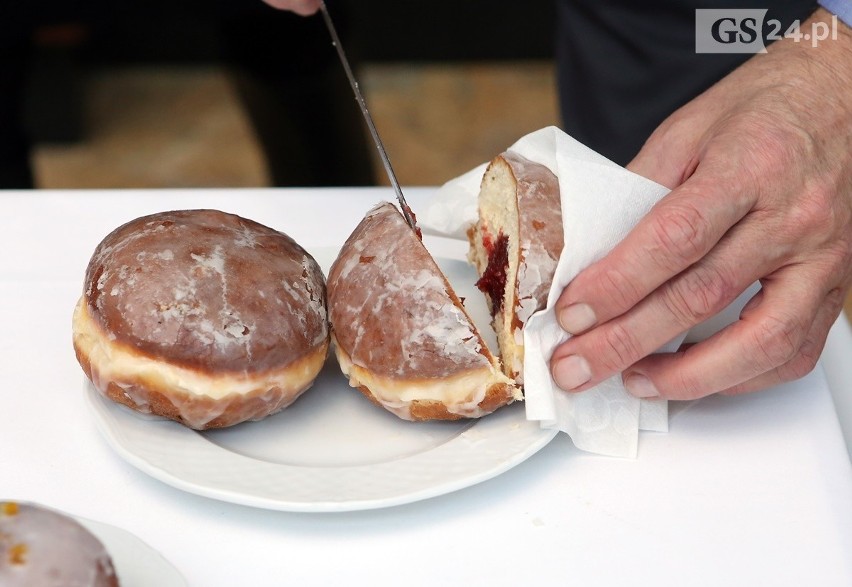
(834, 56)
(830, 58)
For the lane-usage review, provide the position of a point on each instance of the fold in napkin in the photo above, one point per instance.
(601, 202)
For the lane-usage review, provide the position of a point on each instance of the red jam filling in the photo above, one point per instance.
(493, 280)
(414, 219)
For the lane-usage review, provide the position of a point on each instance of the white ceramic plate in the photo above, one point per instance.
(332, 450)
(136, 563)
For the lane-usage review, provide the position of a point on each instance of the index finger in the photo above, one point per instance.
(678, 231)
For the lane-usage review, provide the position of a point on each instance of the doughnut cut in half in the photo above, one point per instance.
(401, 334)
(515, 246)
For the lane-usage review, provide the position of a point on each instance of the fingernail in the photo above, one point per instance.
(572, 371)
(576, 318)
(640, 386)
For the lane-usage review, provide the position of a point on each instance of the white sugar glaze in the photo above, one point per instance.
(208, 283)
(40, 547)
(199, 397)
(403, 284)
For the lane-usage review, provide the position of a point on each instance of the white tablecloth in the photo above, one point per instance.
(751, 490)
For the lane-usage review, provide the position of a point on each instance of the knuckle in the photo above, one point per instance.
(698, 294)
(803, 364)
(621, 292)
(835, 300)
(813, 213)
(836, 259)
(807, 355)
(681, 232)
(798, 367)
(618, 348)
(775, 148)
(839, 258)
(688, 386)
(777, 341)
(774, 152)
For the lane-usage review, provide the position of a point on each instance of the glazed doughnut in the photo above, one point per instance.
(515, 246)
(202, 317)
(400, 333)
(43, 547)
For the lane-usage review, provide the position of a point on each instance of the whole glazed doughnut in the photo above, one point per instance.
(45, 548)
(202, 317)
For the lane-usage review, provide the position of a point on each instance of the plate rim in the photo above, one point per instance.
(105, 410)
(107, 415)
(108, 534)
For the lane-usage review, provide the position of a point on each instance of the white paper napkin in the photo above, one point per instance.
(601, 202)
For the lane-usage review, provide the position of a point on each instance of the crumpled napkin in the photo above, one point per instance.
(601, 202)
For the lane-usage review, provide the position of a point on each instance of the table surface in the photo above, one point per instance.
(746, 490)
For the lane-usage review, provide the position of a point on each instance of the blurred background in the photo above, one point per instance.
(233, 93)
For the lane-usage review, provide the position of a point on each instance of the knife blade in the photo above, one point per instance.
(362, 104)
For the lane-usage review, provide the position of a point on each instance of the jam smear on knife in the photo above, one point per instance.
(414, 219)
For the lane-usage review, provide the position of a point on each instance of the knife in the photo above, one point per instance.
(406, 210)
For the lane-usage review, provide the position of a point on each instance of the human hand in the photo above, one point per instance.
(761, 166)
(302, 7)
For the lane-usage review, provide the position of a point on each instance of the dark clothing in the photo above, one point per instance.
(625, 65)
